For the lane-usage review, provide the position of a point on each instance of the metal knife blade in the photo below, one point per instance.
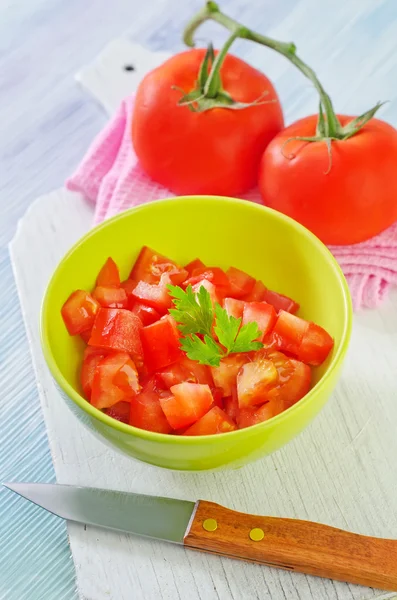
(150, 516)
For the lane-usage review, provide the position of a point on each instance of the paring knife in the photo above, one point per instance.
(289, 544)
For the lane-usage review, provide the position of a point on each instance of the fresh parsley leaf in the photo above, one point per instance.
(193, 312)
(244, 341)
(205, 352)
(226, 327)
(231, 336)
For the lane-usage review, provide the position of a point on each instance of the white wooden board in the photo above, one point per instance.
(341, 471)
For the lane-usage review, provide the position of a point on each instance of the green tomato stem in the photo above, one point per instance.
(212, 12)
(213, 84)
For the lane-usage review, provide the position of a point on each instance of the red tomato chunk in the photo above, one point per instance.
(110, 297)
(214, 421)
(233, 307)
(134, 369)
(115, 379)
(194, 264)
(215, 275)
(240, 283)
(304, 340)
(109, 275)
(280, 302)
(120, 411)
(254, 380)
(150, 266)
(154, 295)
(146, 412)
(261, 313)
(187, 403)
(92, 356)
(146, 314)
(118, 329)
(225, 375)
(79, 312)
(161, 345)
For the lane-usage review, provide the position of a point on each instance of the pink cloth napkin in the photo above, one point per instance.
(110, 176)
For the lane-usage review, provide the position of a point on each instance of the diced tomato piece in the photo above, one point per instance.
(176, 274)
(91, 358)
(211, 289)
(155, 295)
(214, 421)
(281, 302)
(150, 266)
(253, 382)
(79, 312)
(120, 411)
(127, 378)
(294, 379)
(128, 286)
(174, 374)
(261, 313)
(215, 275)
(146, 261)
(106, 388)
(146, 412)
(297, 385)
(217, 394)
(252, 416)
(85, 335)
(110, 297)
(315, 346)
(201, 373)
(118, 329)
(289, 331)
(304, 340)
(188, 403)
(194, 264)
(257, 294)
(146, 314)
(241, 283)
(225, 375)
(185, 370)
(234, 307)
(161, 344)
(109, 275)
(231, 404)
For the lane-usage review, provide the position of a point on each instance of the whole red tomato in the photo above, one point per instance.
(212, 152)
(345, 201)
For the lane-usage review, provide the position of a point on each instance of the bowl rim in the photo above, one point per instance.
(152, 436)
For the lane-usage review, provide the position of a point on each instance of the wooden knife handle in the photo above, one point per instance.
(294, 545)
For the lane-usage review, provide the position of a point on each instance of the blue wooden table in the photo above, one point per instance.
(46, 124)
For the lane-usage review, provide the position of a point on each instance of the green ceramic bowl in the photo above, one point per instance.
(224, 232)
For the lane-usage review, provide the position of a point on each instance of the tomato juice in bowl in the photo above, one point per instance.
(222, 232)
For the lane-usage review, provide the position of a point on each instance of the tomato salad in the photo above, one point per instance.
(191, 350)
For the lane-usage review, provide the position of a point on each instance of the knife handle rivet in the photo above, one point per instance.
(210, 525)
(257, 534)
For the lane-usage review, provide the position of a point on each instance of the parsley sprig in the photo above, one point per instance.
(195, 314)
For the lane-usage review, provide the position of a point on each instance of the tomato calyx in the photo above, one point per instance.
(323, 132)
(209, 92)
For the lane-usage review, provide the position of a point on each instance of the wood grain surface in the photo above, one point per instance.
(295, 545)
